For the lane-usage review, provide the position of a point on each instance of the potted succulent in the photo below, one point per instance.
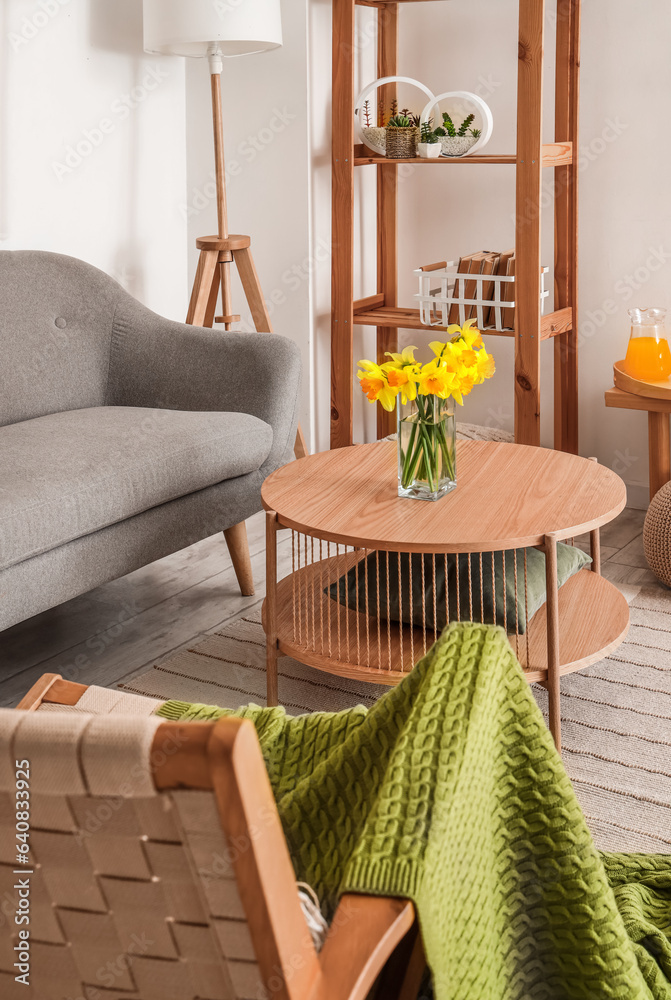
(455, 141)
(401, 135)
(374, 134)
(429, 145)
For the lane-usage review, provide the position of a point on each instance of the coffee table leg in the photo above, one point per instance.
(595, 544)
(595, 550)
(552, 591)
(271, 607)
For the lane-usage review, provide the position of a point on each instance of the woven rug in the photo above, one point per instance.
(616, 715)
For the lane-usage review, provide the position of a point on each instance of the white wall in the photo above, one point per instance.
(625, 199)
(265, 99)
(131, 208)
(92, 144)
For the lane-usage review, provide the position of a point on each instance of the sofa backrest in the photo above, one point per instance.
(56, 316)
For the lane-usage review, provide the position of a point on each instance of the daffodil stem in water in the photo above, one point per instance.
(428, 449)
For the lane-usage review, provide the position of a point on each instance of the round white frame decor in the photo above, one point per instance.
(367, 91)
(477, 105)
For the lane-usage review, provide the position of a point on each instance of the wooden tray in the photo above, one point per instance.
(653, 390)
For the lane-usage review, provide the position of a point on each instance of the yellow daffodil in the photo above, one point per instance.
(469, 358)
(400, 360)
(436, 380)
(466, 335)
(466, 384)
(451, 362)
(472, 339)
(401, 372)
(460, 362)
(374, 383)
(404, 380)
(485, 365)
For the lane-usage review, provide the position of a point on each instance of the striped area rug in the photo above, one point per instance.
(616, 714)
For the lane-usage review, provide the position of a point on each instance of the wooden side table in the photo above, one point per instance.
(342, 507)
(659, 440)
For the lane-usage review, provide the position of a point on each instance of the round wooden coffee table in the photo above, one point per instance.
(342, 507)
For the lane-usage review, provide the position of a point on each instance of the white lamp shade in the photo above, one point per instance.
(190, 27)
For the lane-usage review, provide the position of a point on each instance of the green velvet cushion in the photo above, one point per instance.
(464, 588)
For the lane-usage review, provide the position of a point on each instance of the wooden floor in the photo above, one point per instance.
(121, 629)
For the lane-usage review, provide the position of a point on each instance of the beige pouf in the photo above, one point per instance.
(657, 535)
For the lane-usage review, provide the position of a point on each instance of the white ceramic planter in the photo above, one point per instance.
(380, 146)
(375, 138)
(429, 150)
(461, 103)
(457, 145)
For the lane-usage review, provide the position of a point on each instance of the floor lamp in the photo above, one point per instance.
(214, 29)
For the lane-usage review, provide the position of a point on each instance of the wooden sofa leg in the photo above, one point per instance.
(236, 539)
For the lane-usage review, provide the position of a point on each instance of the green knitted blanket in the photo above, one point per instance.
(449, 791)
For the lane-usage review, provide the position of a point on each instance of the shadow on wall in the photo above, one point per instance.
(117, 27)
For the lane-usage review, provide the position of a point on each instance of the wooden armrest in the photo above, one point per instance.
(363, 934)
(53, 689)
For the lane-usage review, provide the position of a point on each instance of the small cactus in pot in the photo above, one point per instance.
(401, 136)
(456, 141)
(374, 135)
(429, 145)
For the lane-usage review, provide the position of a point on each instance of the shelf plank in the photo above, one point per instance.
(555, 154)
(383, 3)
(320, 632)
(406, 319)
(622, 400)
(557, 322)
(552, 325)
(384, 161)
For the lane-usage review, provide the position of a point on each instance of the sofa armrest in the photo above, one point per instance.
(155, 362)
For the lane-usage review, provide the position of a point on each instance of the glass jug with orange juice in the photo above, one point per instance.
(648, 355)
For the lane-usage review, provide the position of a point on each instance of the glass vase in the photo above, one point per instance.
(426, 448)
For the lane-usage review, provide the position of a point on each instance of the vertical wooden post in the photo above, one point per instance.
(566, 226)
(342, 224)
(387, 203)
(595, 550)
(552, 620)
(220, 173)
(528, 222)
(595, 542)
(271, 607)
(659, 444)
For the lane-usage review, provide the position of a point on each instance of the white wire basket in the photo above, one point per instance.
(446, 297)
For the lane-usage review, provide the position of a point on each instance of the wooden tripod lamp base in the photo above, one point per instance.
(216, 255)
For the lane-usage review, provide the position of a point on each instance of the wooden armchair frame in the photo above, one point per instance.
(372, 939)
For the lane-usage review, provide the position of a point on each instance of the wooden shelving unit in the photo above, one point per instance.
(531, 158)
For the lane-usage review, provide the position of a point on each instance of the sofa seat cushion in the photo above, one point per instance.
(67, 474)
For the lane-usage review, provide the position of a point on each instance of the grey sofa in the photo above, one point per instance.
(124, 436)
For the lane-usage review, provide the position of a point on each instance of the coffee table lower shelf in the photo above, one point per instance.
(321, 633)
